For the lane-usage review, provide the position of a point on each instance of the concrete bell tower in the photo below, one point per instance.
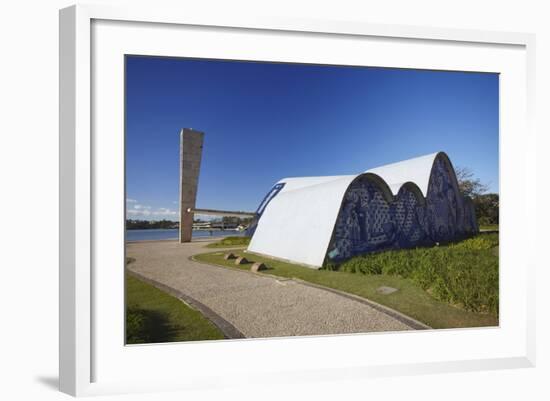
(190, 163)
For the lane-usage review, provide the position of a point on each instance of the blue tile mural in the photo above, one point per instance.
(371, 221)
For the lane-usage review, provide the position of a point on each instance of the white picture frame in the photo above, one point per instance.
(84, 328)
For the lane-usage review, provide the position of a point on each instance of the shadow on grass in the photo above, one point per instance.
(149, 326)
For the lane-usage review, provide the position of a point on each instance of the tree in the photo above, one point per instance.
(486, 205)
(469, 185)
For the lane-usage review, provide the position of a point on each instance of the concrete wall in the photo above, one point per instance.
(191, 142)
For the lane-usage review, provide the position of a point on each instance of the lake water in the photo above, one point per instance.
(159, 234)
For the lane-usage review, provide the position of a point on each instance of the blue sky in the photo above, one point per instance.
(267, 121)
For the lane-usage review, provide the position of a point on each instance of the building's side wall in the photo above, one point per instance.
(297, 224)
(470, 220)
(269, 196)
(444, 218)
(369, 222)
(406, 211)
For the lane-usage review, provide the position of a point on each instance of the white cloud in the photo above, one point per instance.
(138, 212)
(128, 200)
(166, 212)
(141, 207)
(144, 211)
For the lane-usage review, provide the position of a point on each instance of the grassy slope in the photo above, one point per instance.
(410, 299)
(158, 317)
(463, 273)
(230, 242)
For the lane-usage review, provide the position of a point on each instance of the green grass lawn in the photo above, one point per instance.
(410, 299)
(492, 227)
(152, 316)
(230, 242)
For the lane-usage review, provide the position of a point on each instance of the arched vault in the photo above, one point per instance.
(404, 204)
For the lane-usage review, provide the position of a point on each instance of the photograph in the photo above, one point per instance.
(274, 199)
(290, 200)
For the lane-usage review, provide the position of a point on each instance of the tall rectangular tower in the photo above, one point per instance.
(190, 163)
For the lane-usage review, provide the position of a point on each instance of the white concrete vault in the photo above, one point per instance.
(408, 203)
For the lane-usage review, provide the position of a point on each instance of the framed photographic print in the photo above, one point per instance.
(254, 192)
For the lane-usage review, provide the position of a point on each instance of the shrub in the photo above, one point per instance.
(485, 221)
(480, 242)
(362, 264)
(329, 265)
(428, 267)
(463, 274)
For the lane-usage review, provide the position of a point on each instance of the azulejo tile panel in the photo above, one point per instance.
(371, 220)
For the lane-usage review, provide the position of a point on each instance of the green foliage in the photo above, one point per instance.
(230, 241)
(487, 207)
(488, 227)
(148, 224)
(329, 265)
(463, 274)
(477, 243)
(137, 324)
(236, 220)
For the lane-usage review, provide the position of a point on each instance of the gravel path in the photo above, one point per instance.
(255, 305)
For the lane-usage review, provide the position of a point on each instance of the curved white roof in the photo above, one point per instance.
(297, 223)
(415, 170)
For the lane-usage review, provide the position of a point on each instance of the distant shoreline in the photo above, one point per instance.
(155, 234)
(194, 229)
(152, 228)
